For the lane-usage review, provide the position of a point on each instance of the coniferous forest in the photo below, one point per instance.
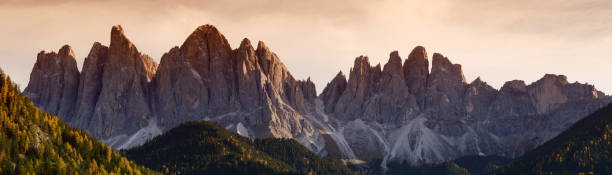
(35, 142)
(207, 148)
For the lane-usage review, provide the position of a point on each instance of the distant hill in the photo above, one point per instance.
(207, 148)
(35, 142)
(586, 147)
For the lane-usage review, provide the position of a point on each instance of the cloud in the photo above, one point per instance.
(559, 18)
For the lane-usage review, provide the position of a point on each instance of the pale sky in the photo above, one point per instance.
(497, 40)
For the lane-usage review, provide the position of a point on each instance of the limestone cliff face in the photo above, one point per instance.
(54, 82)
(478, 97)
(445, 88)
(90, 85)
(416, 71)
(122, 105)
(333, 91)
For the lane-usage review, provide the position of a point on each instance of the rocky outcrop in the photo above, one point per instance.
(123, 101)
(445, 88)
(391, 81)
(361, 84)
(333, 91)
(416, 71)
(477, 98)
(90, 84)
(54, 82)
(547, 93)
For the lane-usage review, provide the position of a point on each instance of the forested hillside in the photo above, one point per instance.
(35, 142)
(207, 148)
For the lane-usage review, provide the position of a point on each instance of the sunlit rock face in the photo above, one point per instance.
(399, 111)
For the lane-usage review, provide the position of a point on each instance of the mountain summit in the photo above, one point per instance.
(397, 112)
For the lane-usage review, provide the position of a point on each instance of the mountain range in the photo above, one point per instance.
(399, 112)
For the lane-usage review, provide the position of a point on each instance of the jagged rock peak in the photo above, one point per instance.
(308, 89)
(341, 75)
(245, 43)
(394, 65)
(207, 35)
(205, 30)
(440, 60)
(441, 64)
(416, 67)
(333, 91)
(514, 85)
(393, 68)
(338, 80)
(97, 45)
(480, 85)
(65, 56)
(418, 53)
(394, 58)
(416, 71)
(54, 82)
(208, 28)
(361, 63)
(562, 79)
(477, 81)
(261, 46)
(66, 50)
(117, 30)
(118, 36)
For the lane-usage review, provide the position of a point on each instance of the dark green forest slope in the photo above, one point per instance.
(472, 165)
(207, 148)
(584, 148)
(35, 142)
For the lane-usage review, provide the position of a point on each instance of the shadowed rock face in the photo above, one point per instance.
(54, 82)
(395, 112)
(333, 91)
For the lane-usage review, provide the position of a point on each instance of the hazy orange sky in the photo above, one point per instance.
(495, 39)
